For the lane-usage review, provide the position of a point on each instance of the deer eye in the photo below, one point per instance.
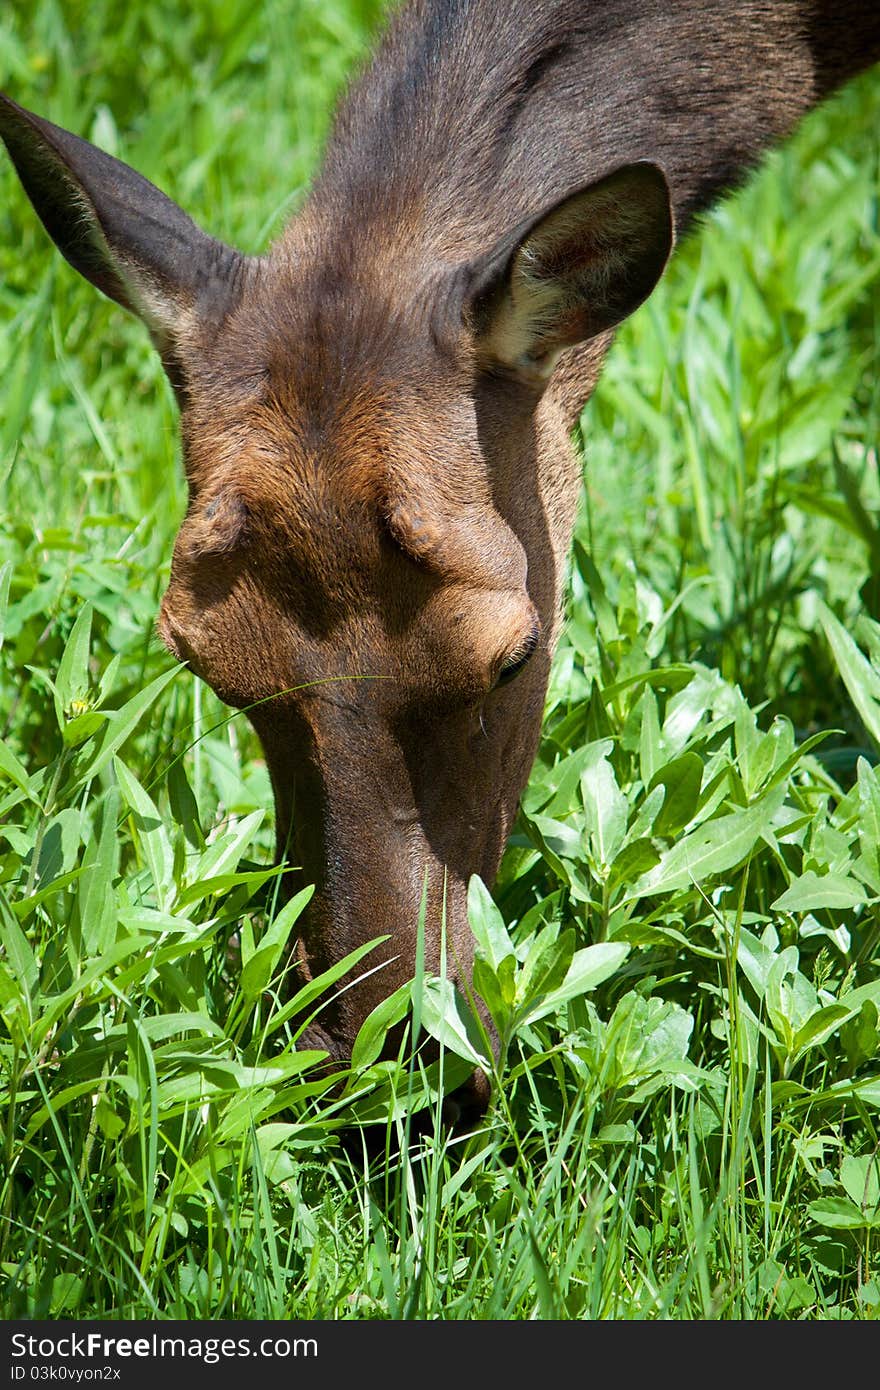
(518, 658)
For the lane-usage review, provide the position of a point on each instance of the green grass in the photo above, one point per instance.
(681, 955)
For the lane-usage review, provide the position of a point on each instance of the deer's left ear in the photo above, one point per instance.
(574, 271)
(120, 231)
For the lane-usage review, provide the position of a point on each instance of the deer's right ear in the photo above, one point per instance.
(120, 232)
(576, 270)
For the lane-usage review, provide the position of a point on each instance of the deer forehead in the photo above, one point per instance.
(330, 478)
(391, 567)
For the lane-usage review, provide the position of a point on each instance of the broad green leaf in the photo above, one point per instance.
(545, 967)
(636, 858)
(650, 742)
(860, 1036)
(109, 1122)
(645, 1038)
(858, 675)
(558, 839)
(17, 950)
(746, 735)
(588, 969)
(173, 1025)
(659, 677)
(446, 1016)
(546, 910)
(123, 722)
(860, 1177)
(24, 907)
(183, 804)
(790, 998)
(606, 808)
(619, 1135)
(138, 919)
(783, 1294)
(258, 970)
(11, 767)
(81, 727)
(60, 845)
(223, 854)
(202, 888)
(688, 708)
(107, 682)
(373, 1031)
(854, 998)
(642, 824)
(72, 678)
(682, 780)
(838, 1213)
(497, 989)
(680, 1073)
(558, 790)
(869, 819)
(819, 1027)
(867, 1091)
(151, 833)
(272, 1074)
(492, 939)
(781, 772)
(813, 891)
(272, 1135)
(756, 961)
(707, 852)
(95, 896)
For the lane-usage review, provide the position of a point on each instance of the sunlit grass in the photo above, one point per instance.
(683, 963)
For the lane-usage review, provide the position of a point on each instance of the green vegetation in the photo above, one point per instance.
(682, 950)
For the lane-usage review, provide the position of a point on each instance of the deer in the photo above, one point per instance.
(377, 413)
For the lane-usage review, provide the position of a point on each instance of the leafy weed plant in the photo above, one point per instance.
(680, 956)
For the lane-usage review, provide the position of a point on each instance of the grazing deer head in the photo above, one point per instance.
(376, 414)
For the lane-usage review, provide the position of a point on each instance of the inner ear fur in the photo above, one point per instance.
(576, 270)
(118, 230)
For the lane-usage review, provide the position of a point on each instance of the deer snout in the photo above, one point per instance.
(172, 636)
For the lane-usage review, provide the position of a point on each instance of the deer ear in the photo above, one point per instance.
(576, 270)
(119, 231)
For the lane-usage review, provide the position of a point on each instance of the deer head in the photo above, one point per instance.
(376, 440)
